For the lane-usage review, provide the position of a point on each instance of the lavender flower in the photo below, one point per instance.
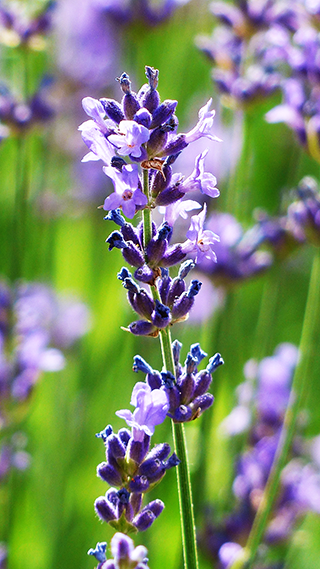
(125, 555)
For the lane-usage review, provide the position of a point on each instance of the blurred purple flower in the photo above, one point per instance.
(199, 240)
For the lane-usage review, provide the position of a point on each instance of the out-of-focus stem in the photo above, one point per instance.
(308, 337)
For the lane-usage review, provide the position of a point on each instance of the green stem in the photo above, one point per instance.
(306, 350)
(188, 530)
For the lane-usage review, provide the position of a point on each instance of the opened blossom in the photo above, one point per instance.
(199, 240)
(203, 125)
(127, 193)
(150, 410)
(129, 138)
(205, 182)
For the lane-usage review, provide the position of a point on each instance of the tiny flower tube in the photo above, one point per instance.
(130, 103)
(99, 552)
(132, 255)
(161, 316)
(182, 306)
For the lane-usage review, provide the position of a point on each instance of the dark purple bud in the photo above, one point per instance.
(130, 285)
(149, 467)
(132, 255)
(157, 141)
(177, 287)
(115, 216)
(160, 452)
(124, 436)
(144, 520)
(182, 414)
(149, 98)
(154, 380)
(173, 256)
(130, 234)
(142, 328)
(144, 117)
(186, 388)
(202, 402)
(136, 501)
(203, 382)
(161, 180)
(112, 496)
(169, 195)
(161, 316)
(174, 146)
(115, 447)
(124, 274)
(137, 451)
(164, 285)
(99, 552)
(145, 274)
(194, 288)
(139, 364)
(116, 240)
(130, 103)
(185, 269)
(113, 110)
(190, 364)
(163, 113)
(173, 395)
(172, 461)
(123, 496)
(214, 363)
(168, 379)
(157, 246)
(156, 507)
(197, 353)
(176, 349)
(139, 484)
(105, 433)
(182, 306)
(109, 474)
(144, 305)
(104, 509)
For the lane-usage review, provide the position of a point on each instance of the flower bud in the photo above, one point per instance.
(113, 110)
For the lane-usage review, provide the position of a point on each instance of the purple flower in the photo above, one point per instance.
(151, 409)
(93, 137)
(200, 180)
(200, 241)
(203, 125)
(127, 193)
(181, 207)
(129, 138)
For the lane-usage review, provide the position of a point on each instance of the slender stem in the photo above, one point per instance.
(188, 529)
(306, 350)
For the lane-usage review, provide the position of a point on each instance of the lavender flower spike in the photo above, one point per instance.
(151, 409)
(203, 125)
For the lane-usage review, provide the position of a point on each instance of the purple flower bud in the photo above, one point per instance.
(163, 113)
(185, 269)
(113, 110)
(214, 363)
(109, 474)
(169, 195)
(202, 402)
(142, 328)
(182, 414)
(137, 450)
(157, 246)
(149, 467)
(130, 101)
(203, 382)
(118, 163)
(175, 146)
(177, 287)
(124, 436)
(139, 364)
(154, 380)
(160, 452)
(115, 447)
(115, 216)
(99, 552)
(173, 256)
(145, 274)
(144, 304)
(144, 117)
(104, 509)
(186, 387)
(132, 255)
(176, 349)
(172, 461)
(157, 141)
(105, 433)
(197, 353)
(182, 306)
(124, 274)
(139, 484)
(161, 316)
(150, 98)
(116, 240)
(136, 501)
(161, 180)
(130, 234)
(164, 285)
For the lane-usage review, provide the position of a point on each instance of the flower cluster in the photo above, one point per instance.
(20, 28)
(187, 394)
(262, 402)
